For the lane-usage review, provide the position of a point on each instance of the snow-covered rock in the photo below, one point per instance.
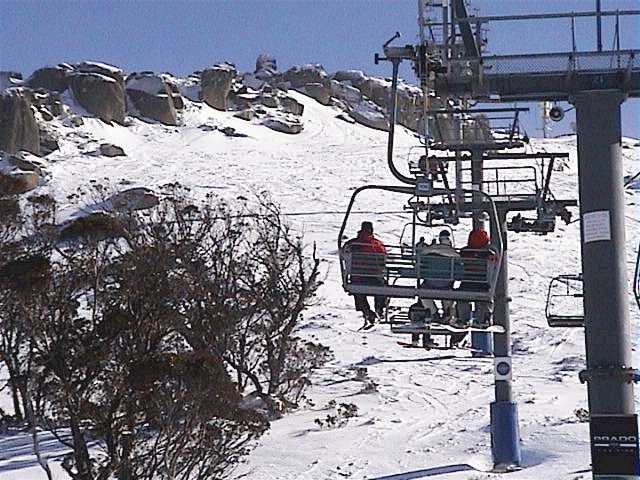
(291, 105)
(101, 69)
(266, 67)
(354, 77)
(152, 97)
(189, 87)
(345, 92)
(18, 175)
(55, 79)
(318, 91)
(110, 150)
(10, 79)
(290, 125)
(100, 95)
(301, 75)
(18, 125)
(216, 84)
(24, 161)
(368, 114)
(139, 198)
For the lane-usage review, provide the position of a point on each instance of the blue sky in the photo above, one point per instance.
(182, 36)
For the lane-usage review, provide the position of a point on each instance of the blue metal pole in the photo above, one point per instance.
(505, 436)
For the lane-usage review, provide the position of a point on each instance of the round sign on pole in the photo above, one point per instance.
(502, 368)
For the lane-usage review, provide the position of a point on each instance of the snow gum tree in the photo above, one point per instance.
(141, 350)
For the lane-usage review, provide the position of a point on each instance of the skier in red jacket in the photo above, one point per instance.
(372, 267)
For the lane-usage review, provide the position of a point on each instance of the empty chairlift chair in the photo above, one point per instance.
(564, 302)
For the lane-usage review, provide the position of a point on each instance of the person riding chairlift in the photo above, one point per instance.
(482, 258)
(366, 243)
(443, 248)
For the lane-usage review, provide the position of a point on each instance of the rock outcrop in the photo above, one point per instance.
(19, 173)
(266, 67)
(139, 198)
(54, 79)
(25, 162)
(110, 150)
(259, 97)
(17, 182)
(216, 84)
(370, 115)
(354, 87)
(99, 89)
(291, 105)
(178, 102)
(246, 114)
(18, 126)
(351, 77)
(48, 103)
(48, 142)
(152, 97)
(10, 79)
(302, 75)
(290, 125)
(96, 226)
(320, 92)
(345, 92)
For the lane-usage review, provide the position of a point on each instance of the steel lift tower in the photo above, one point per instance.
(448, 63)
(597, 83)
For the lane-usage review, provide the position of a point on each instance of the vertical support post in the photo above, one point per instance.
(599, 24)
(481, 342)
(617, 34)
(573, 35)
(505, 434)
(459, 194)
(476, 185)
(479, 36)
(607, 330)
(445, 31)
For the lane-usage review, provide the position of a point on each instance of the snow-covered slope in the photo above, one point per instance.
(420, 414)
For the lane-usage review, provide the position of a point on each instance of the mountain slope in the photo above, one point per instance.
(417, 411)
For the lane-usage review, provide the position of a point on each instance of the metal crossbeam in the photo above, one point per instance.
(545, 16)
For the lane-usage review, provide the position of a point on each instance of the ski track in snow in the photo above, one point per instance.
(428, 415)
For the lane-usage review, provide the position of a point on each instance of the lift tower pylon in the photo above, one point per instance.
(596, 82)
(608, 334)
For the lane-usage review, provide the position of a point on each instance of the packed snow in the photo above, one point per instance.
(420, 414)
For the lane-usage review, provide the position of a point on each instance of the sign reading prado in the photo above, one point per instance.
(614, 445)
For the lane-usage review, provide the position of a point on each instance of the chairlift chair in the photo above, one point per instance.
(543, 224)
(563, 294)
(402, 274)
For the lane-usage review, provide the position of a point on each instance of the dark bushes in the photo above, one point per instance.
(143, 343)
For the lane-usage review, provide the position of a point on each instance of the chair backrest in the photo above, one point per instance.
(477, 266)
(475, 270)
(439, 271)
(366, 264)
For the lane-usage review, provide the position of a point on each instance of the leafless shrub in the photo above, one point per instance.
(148, 341)
(340, 418)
